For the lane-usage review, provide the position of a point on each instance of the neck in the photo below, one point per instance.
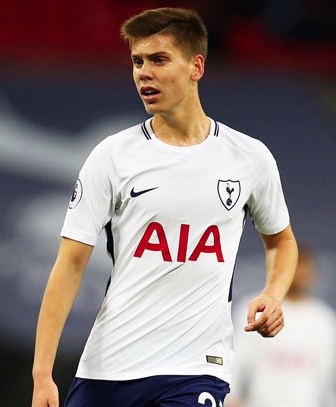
(183, 129)
(297, 295)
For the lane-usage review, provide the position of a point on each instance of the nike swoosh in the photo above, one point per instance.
(134, 194)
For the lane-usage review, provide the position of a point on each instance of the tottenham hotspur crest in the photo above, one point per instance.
(229, 192)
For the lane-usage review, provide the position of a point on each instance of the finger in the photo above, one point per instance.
(268, 321)
(257, 322)
(254, 311)
(255, 314)
(270, 333)
(271, 329)
(255, 325)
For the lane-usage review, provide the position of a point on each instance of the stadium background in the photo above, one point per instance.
(65, 84)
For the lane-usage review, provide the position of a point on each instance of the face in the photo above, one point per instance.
(165, 79)
(304, 276)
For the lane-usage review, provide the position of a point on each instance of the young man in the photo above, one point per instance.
(173, 194)
(300, 359)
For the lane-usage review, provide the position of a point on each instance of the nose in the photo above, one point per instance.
(145, 72)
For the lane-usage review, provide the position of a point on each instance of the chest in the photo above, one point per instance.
(180, 184)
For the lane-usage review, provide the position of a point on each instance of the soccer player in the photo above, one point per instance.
(172, 194)
(298, 367)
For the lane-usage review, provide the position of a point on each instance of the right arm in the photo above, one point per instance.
(61, 290)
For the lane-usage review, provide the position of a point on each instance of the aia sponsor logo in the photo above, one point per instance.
(155, 239)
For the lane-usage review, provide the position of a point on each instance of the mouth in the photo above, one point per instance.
(149, 94)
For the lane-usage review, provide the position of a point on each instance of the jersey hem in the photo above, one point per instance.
(84, 374)
(79, 236)
(274, 230)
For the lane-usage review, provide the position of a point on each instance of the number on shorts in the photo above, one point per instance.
(203, 397)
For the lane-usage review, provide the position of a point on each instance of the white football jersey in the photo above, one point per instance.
(296, 368)
(177, 215)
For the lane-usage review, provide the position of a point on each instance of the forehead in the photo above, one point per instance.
(156, 43)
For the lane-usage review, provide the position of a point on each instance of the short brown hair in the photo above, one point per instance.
(185, 25)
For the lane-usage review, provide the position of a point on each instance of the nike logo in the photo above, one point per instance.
(134, 194)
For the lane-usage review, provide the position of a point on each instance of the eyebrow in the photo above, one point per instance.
(153, 55)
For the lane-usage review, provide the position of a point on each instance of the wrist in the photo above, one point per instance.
(276, 293)
(40, 373)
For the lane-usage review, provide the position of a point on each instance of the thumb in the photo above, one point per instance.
(254, 315)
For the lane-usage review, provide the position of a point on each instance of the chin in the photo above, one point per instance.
(150, 109)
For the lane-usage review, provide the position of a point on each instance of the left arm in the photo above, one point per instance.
(281, 261)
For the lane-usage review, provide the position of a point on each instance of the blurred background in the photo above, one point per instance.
(65, 84)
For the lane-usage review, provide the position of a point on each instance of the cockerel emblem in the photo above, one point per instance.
(229, 192)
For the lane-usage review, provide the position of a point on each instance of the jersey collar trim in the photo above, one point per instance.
(144, 129)
(149, 134)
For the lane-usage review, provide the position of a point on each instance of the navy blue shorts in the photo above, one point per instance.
(155, 391)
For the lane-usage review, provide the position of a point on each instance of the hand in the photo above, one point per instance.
(45, 394)
(270, 320)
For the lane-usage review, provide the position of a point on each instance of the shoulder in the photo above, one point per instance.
(325, 316)
(117, 142)
(111, 150)
(251, 149)
(323, 309)
(121, 137)
(316, 309)
(242, 141)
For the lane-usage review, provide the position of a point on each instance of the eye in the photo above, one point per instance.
(159, 60)
(137, 62)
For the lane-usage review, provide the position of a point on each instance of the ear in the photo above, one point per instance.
(197, 67)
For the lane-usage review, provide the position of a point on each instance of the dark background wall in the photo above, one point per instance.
(65, 84)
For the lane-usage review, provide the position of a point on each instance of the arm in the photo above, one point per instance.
(231, 401)
(281, 261)
(60, 293)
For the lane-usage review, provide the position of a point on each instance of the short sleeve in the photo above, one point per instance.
(91, 203)
(267, 204)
